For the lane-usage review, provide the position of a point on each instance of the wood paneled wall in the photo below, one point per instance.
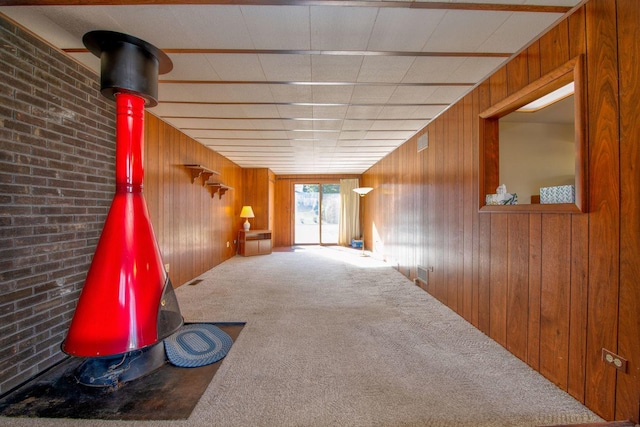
(554, 289)
(191, 226)
(283, 203)
(258, 184)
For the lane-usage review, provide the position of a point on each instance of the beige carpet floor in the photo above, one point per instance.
(335, 339)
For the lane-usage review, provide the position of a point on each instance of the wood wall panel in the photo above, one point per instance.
(543, 285)
(517, 303)
(554, 297)
(256, 183)
(191, 226)
(535, 289)
(604, 203)
(628, 385)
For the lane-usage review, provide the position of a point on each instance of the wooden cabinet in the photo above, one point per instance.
(254, 242)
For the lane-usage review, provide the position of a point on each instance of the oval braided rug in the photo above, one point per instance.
(197, 344)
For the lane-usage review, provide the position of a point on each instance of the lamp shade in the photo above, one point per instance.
(362, 190)
(246, 212)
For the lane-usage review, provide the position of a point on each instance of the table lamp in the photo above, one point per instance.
(247, 213)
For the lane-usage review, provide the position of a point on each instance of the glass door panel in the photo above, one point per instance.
(307, 204)
(317, 214)
(330, 208)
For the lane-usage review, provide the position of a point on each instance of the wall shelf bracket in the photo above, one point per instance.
(216, 187)
(201, 171)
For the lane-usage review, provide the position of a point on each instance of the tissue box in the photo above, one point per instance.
(559, 194)
(356, 243)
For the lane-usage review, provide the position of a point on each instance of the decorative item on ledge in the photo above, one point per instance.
(501, 197)
(246, 213)
(199, 170)
(219, 188)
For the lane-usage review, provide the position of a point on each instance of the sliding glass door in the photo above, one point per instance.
(317, 212)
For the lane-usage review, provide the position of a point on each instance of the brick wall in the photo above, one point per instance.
(57, 155)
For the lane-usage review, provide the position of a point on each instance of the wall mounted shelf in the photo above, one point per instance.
(201, 171)
(216, 187)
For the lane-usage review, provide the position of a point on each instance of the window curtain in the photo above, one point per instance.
(349, 226)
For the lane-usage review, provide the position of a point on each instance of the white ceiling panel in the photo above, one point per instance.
(286, 68)
(465, 30)
(363, 125)
(191, 67)
(385, 69)
(235, 67)
(523, 27)
(203, 27)
(291, 93)
(433, 69)
(341, 28)
(274, 27)
(372, 94)
(332, 94)
(403, 29)
(214, 92)
(474, 69)
(331, 87)
(329, 111)
(335, 68)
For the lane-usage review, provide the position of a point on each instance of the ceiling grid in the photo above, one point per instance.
(305, 86)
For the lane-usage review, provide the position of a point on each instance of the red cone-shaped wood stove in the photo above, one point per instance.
(127, 306)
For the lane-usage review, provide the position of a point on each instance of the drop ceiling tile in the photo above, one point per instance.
(411, 94)
(297, 125)
(205, 27)
(203, 123)
(195, 110)
(363, 112)
(286, 68)
(264, 124)
(296, 111)
(335, 68)
(257, 111)
(277, 27)
(363, 125)
(427, 112)
(406, 125)
(191, 67)
(332, 94)
(226, 134)
(432, 69)
(447, 94)
(372, 94)
(389, 135)
(398, 29)
(517, 31)
(464, 31)
(385, 69)
(235, 67)
(353, 134)
(475, 69)
(341, 28)
(397, 112)
(329, 112)
(326, 125)
(228, 143)
(214, 92)
(291, 93)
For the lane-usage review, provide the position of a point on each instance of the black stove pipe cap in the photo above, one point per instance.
(127, 64)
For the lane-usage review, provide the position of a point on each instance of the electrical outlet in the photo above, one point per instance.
(227, 244)
(166, 268)
(614, 360)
